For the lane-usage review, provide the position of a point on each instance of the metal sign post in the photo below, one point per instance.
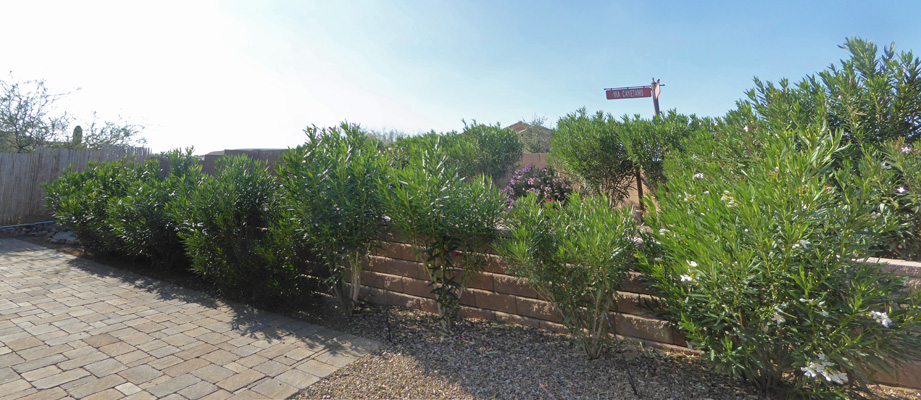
(634, 92)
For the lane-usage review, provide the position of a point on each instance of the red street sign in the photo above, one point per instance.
(628, 93)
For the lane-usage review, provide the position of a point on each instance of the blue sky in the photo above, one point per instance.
(237, 74)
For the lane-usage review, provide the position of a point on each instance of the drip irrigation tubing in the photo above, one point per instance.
(30, 224)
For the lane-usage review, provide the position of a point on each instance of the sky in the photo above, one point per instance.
(219, 75)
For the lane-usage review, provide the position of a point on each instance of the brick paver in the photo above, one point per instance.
(70, 327)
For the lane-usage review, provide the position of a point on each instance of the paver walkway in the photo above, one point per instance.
(71, 327)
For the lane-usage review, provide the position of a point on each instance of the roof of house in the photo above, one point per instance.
(518, 127)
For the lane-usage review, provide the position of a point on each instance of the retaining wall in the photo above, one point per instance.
(394, 276)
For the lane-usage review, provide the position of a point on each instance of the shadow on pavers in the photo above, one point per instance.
(245, 320)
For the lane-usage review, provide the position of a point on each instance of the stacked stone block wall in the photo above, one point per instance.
(395, 276)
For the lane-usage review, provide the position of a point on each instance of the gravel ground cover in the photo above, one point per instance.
(488, 360)
(483, 359)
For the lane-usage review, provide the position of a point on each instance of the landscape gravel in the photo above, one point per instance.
(490, 360)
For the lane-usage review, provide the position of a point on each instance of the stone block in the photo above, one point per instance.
(538, 309)
(494, 301)
(642, 327)
(514, 286)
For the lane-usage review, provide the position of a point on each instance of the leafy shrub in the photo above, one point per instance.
(330, 189)
(758, 262)
(899, 184)
(448, 218)
(225, 227)
(607, 156)
(478, 150)
(80, 200)
(141, 219)
(588, 149)
(576, 255)
(872, 99)
(542, 181)
(496, 150)
(648, 142)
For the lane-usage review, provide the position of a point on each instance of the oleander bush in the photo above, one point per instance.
(449, 218)
(759, 260)
(871, 98)
(900, 179)
(497, 150)
(544, 182)
(478, 150)
(330, 189)
(606, 155)
(576, 255)
(141, 219)
(648, 142)
(81, 200)
(226, 224)
(587, 149)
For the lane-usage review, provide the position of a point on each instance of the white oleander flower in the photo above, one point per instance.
(815, 368)
(824, 367)
(881, 317)
(777, 317)
(835, 376)
(699, 176)
(692, 264)
(687, 278)
(900, 190)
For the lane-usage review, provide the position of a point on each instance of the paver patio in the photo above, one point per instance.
(70, 327)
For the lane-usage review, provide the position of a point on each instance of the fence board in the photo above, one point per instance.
(22, 175)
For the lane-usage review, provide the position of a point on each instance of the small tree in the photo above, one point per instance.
(108, 133)
(536, 137)
(28, 117)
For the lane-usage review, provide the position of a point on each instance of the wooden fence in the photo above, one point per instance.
(22, 175)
